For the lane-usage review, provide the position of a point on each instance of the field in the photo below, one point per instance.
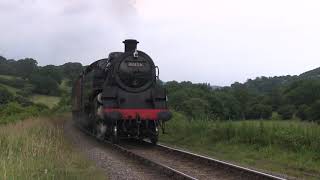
(49, 101)
(285, 147)
(37, 149)
(8, 77)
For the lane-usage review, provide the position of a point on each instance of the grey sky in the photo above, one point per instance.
(213, 41)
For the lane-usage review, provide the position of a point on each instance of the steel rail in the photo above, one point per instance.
(175, 174)
(216, 162)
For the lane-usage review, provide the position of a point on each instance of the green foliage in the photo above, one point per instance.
(315, 111)
(286, 111)
(259, 111)
(14, 111)
(64, 105)
(71, 70)
(26, 91)
(303, 112)
(303, 92)
(258, 141)
(14, 82)
(5, 96)
(32, 78)
(44, 85)
(37, 149)
(195, 107)
(25, 67)
(50, 71)
(288, 135)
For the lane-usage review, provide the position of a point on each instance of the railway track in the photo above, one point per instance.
(179, 164)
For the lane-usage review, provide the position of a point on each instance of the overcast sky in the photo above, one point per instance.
(215, 41)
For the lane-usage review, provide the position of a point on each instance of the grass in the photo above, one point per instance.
(13, 112)
(285, 147)
(10, 88)
(37, 149)
(8, 77)
(49, 101)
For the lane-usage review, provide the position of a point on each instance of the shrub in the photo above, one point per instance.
(195, 107)
(44, 85)
(15, 82)
(14, 111)
(5, 96)
(259, 111)
(22, 101)
(26, 91)
(303, 111)
(286, 111)
(314, 112)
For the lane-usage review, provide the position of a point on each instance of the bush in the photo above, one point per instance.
(14, 111)
(195, 107)
(286, 111)
(26, 91)
(15, 82)
(22, 101)
(303, 111)
(259, 111)
(5, 96)
(314, 112)
(44, 85)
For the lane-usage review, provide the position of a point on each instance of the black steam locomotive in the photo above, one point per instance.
(119, 97)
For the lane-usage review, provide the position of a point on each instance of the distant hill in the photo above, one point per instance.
(268, 84)
(315, 73)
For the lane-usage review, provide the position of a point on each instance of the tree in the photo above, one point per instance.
(25, 67)
(44, 85)
(242, 95)
(259, 111)
(303, 92)
(196, 107)
(71, 70)
(286, 111)
(51, 71)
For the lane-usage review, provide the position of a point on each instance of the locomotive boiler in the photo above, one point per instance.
(120, 97)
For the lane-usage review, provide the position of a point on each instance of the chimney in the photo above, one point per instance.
(130, 45)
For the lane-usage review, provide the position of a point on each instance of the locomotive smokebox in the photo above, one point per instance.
(130, 45)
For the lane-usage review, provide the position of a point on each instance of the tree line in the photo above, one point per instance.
(31, 78)
(283, 97)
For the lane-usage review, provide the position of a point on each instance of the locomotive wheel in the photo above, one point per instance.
(155, 136)
(154, 139)
(114, 136)
(101, 129)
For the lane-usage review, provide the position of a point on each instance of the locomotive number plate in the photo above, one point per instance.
(135, 64)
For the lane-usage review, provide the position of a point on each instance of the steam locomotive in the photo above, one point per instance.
(120, 97)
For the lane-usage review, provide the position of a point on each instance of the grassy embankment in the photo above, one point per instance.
(36, 149)
(286, 147)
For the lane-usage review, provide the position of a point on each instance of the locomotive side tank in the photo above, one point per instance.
(119, 97)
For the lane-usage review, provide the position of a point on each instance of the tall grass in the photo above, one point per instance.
(36, 149)
(289, 135)
(291, 143)
(13, 112)
(49, 101)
